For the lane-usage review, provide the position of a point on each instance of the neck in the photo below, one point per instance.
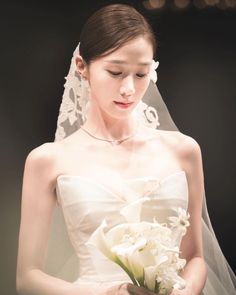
(110, 128)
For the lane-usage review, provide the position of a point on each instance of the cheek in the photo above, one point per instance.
(97, 83)
(103, 85)
(142, 86)
(103, 88)
(100, 80)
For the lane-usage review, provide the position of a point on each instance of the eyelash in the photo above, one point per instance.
(118, 73)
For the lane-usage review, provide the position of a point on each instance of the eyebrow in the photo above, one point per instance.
(116, 61)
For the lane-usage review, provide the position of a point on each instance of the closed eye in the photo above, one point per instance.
(141, 75)
(119, 73)
(115, 73)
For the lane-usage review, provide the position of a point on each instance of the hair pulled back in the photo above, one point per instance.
(111, 27)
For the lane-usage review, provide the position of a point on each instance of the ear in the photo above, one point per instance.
(81, 66)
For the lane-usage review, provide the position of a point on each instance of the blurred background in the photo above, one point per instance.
(196, 77)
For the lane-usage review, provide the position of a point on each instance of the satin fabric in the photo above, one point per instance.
(86, 202)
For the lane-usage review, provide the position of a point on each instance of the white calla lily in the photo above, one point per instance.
(98, 239)
(150, 277)
(145, 250)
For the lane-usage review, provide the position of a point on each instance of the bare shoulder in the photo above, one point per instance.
(187, 145)
(184, 145)
(43, 160)
(189, 151)
(44, 154)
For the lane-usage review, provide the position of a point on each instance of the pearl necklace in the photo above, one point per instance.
(114, 141)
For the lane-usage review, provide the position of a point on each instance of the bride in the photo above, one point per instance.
(108, 146)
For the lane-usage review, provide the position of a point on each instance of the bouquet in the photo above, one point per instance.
(146, 251)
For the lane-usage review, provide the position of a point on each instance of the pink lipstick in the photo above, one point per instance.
(123, 105)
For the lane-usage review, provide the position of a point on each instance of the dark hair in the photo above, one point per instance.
(109, 28)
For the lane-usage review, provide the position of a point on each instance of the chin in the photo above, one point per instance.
(119, 112)
(120, 115)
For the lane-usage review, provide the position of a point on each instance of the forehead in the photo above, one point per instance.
(138, 51)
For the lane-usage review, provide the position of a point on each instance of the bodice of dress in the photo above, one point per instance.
(86, 202)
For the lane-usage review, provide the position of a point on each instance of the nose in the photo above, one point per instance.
(127, 87)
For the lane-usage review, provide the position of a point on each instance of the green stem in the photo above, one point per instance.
(120, 263)
(141, 281)
(157, 287)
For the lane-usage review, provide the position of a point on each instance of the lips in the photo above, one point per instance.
(123, 104)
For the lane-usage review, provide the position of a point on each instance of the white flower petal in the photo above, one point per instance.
(147, 251)
(180, 283)
(136, 266)
(160, 259)
(150, 277)
(98, 239)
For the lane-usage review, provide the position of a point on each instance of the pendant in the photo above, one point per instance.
(115, 142)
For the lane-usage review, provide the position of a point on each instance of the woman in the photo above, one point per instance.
(112, 154)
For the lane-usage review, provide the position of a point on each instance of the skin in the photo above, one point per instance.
(169, 151)
(104, 119)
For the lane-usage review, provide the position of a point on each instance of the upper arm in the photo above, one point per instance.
(191, 157)
(37, 204)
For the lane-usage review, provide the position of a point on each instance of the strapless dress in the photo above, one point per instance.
(85, 202)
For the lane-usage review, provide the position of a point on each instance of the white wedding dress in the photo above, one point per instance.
(85, 202)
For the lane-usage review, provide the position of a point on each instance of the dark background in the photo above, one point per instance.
(196, 77)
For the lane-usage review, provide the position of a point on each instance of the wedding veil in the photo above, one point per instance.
(62, 261)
